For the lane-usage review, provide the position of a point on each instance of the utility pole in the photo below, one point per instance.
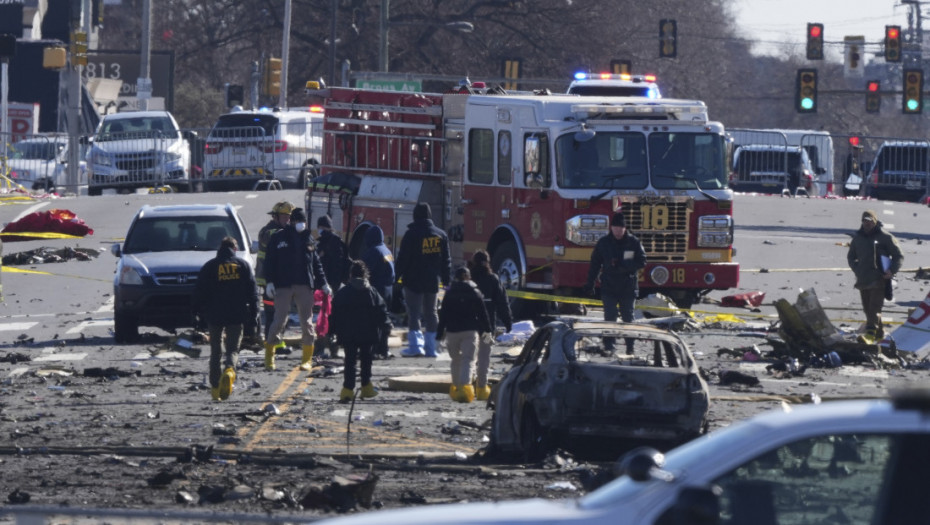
(285, 51)
(144, 82)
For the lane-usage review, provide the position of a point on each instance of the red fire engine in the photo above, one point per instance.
(533, 179)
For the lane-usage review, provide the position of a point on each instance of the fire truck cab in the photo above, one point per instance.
(534, 179)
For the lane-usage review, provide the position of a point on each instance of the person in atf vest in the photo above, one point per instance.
(497, 305)
(463, 322)
(617, 258)
(423, 262)
(280, 217)
(380, 263)
(333, 255)
(358, 319)
(227, 298)
(292, 272)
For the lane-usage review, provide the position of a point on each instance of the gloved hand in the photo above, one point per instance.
(269, 290)
(487, 338)
(327, 290)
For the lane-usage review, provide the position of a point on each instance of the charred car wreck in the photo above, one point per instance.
(565, 386)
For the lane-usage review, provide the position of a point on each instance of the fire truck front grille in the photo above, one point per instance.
(662, 227)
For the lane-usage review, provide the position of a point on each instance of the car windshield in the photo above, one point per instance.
(620, 160)
(166, 234)
(772, 161)
(237, 124)
(35, 150)
(136, 127)
(902, 158)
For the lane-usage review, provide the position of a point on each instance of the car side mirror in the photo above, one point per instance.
(253, 248)
(116, 250)
(821, 171)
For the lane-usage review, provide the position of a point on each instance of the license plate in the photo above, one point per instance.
(238, 151)
(913, 184)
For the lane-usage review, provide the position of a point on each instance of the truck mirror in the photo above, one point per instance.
(531, 162)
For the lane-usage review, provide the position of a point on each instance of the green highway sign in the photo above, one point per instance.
(390, 85)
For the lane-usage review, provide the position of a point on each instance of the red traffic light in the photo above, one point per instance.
(815, 30)
(892, 32)
(854, 141)
(873, 86)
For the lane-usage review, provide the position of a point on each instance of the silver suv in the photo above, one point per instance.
(159, 261)
(138, 149)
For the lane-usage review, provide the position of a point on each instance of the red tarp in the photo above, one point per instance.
(52, 221)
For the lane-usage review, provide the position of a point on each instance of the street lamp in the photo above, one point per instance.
(459, 25)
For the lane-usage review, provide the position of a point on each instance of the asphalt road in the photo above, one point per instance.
(154, 402)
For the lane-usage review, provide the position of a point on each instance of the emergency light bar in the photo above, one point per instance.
(614, 76)
(679, 111)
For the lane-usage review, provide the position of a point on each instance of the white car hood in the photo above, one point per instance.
(532, 511)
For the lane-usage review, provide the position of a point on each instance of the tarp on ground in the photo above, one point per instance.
(51, 224)
(914, 334)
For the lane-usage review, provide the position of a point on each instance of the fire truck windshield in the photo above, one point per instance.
(679, 160)
(619, 160)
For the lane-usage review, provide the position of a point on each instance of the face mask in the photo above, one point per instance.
(301, 226)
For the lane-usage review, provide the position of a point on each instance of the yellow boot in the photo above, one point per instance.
(215, 393)
(227, 380)
(368, 391)
(466, 394)
(306, 360)
(345, 395)
(482, 393)
(269, 356)
(453, 393)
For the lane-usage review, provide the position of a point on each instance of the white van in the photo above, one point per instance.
(818, 144)
(248, 149)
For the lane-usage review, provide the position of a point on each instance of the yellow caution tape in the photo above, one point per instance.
(41, 235)
(711, 316)
(12, 269)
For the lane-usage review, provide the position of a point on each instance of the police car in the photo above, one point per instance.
(614, 85)
(857, 462)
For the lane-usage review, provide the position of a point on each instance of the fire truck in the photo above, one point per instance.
(534, 178)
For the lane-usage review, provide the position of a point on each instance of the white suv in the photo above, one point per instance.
(138, 149)
(40, 162)
(248, 148)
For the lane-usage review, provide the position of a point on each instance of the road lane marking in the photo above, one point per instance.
(7, 327)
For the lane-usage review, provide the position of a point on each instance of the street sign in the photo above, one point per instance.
(390, 85)
(126, 66)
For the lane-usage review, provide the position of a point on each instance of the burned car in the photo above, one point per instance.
(566, 386)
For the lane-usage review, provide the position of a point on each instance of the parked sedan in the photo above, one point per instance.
(856, 462)
(566, 385)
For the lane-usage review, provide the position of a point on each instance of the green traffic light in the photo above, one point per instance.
(807, 103)
(912, 105)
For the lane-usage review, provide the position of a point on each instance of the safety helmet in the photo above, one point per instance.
(282, 207)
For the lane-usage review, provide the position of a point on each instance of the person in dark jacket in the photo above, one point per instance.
(358, 319)
(869, 245)
(465, 318)
(380, 263)
(227, 297)
(423, 262)
(280, 216)
(497, 305)
(617, 258)
(333, 256)
(292, 272)
(332, 252)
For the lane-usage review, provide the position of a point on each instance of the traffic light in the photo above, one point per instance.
(511, 72)
(272, 76)
(806, 91)
(892, 43)
(815, 41)
(912, 101)
(620, 67)
(873, 97)
(235, 95)
(668, 38)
